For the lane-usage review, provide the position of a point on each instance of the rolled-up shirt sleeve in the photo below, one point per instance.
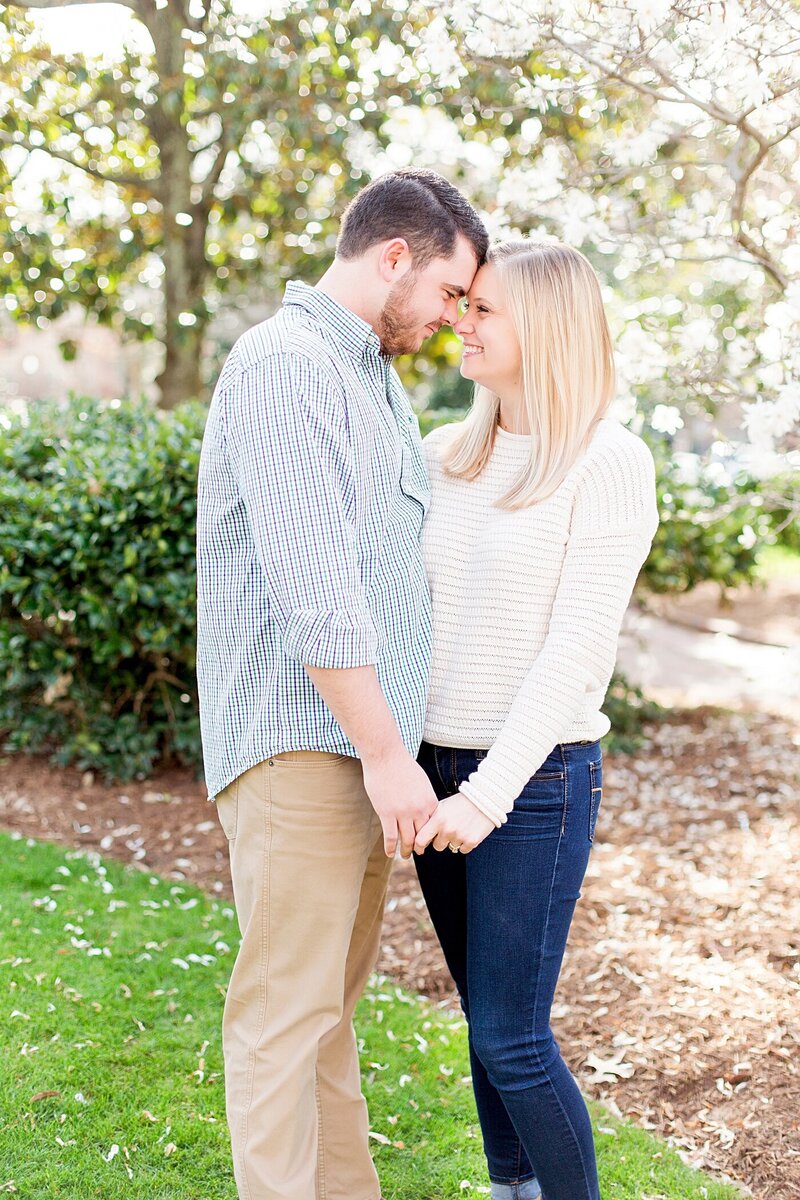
(287, 439)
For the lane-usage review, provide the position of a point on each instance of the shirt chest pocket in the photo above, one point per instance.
(413, 477)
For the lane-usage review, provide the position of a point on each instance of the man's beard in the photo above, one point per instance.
(395, 326)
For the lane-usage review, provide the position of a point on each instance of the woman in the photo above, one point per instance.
(543, 511)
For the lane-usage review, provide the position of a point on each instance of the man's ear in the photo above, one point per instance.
(394, 260)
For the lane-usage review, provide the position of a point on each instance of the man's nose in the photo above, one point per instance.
(450, 311)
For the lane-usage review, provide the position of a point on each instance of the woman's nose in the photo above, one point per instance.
(463, 325)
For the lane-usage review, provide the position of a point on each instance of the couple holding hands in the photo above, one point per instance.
(406, 644)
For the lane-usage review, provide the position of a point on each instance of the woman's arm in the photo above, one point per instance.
(613, 523)
(614, 520)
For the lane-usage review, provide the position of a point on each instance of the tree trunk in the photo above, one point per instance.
(183, 222)
(181, 377)
(185, 314)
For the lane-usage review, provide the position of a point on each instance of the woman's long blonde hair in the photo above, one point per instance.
(554, 301)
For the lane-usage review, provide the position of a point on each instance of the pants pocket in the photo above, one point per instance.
(540, 810)
(596, 796)
(228, 809)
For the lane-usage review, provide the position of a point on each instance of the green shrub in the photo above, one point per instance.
(97, 579)
(627, 707)
(97, 584)
(709, 528)
(782, 507)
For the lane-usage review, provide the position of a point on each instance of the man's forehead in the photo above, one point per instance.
(458, 288)
(457, 272)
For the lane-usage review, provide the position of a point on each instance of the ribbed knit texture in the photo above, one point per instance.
(527, 605)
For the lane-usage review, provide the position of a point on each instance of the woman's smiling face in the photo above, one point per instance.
(492, 355)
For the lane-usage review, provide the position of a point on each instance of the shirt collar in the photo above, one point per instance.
(353, 334)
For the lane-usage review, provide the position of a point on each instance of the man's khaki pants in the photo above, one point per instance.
(309, 879)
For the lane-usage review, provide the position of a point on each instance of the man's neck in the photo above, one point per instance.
(345, 284)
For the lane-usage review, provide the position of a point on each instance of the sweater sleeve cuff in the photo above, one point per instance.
(490, 808)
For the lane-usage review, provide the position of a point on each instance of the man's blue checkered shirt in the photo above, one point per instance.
(311, 497)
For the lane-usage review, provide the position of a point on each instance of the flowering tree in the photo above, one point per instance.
(677, 170)
(660, 136)
(206, 160)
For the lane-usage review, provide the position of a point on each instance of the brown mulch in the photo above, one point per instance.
(679, 1003)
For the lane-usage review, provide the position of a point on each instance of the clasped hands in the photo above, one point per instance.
(456, 824)
(410, 814)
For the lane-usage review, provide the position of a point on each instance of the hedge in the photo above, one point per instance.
(97, 584)
(97, 579)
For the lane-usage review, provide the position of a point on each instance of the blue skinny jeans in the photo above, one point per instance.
(502, 914)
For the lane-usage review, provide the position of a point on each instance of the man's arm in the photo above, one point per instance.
(399, 790)
(287, 439)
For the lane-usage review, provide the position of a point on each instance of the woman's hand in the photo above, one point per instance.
(456, 825)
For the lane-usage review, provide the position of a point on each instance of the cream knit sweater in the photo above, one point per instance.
(527, 605)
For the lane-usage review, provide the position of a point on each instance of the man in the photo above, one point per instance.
(313, 655)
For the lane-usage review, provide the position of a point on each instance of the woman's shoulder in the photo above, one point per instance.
(614, 447)
(435, 442)
(616, 476)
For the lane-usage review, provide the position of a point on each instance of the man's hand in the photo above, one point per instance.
(402, 796)
(456, 825)
(399, 790)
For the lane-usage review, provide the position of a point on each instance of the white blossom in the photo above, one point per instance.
(767, 421)
(666, 418)
(438, 53)
(695, 84)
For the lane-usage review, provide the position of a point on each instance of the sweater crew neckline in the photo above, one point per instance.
(514, 443)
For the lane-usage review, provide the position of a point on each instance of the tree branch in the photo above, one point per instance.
(62, 4)
(198, 24)
(212, 178)
(776, 141)
(762, 257)
(607, 70)
(723, 115)
(616, 174)
(43, 4)
(610, 72)
(741, 172)
(132, 181)
(787, 91)
(215, 141)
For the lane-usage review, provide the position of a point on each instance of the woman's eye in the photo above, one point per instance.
(463, 305)
(482, 308)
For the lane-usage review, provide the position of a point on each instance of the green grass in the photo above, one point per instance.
(111, 985)
(778, 562)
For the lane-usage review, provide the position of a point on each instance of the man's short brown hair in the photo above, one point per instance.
(418, 205)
